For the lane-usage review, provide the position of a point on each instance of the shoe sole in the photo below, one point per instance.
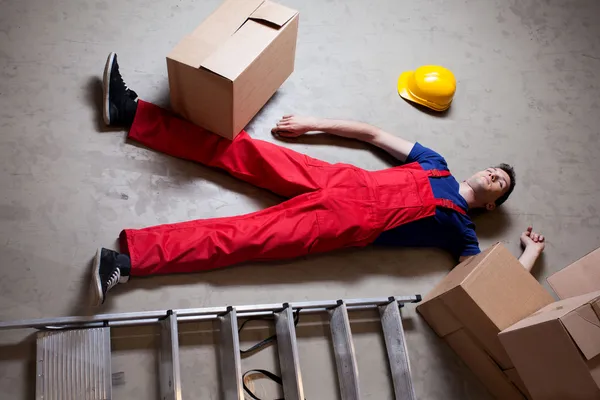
(106, 87)
(96, 285)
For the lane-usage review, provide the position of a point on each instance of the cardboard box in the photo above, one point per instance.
(581, 277)
(516, 379)
(222, 74)
(483, 366)
(557, 349)
(481, 297)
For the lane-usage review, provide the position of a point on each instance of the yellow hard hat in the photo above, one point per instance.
(432, 86)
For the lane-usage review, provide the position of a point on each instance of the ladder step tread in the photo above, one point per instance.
(345, 357)
(169, 368)
(74, 364)
(289, 360)
(230, 362)
(397, 352)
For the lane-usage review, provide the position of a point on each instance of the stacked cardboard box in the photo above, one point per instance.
(581, 277)
(478, 299)
(225, 71)
(557, 349)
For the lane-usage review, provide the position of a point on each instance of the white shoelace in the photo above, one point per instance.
(114, 279)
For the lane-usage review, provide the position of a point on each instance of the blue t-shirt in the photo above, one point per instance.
(448, 229)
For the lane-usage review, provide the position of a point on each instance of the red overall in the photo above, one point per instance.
(331, 206)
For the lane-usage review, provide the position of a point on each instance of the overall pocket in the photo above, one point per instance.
(344, 223)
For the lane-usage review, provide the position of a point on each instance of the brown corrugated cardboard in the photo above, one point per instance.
(557, 349)
(439, 317)
(484, 294)
(222, 74)
(583, 276)
(476, 300)
(515, 378)
(482, 365)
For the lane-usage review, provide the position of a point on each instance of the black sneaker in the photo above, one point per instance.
(110, 268)
(120, 103)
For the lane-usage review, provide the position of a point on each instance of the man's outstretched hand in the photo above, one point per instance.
(533, 244)
(533, 240)
(294, 126)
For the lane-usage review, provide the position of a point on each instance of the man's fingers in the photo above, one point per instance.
(529, 229)
(527, 233)
(287, 134)
(280, 132)
(542, 238)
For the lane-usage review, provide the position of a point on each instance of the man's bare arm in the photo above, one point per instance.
(533, 244)
(293, 126)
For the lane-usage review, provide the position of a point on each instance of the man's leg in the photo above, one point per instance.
(309, 223)
(275, 168)
(263, 164)
(284, 231)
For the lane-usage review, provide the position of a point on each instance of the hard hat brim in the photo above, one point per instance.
(405, 93)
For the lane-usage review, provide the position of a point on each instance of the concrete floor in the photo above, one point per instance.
(528, 94)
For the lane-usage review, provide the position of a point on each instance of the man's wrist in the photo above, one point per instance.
(320, 125)
(533, 250)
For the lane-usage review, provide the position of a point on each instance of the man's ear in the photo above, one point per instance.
(490, 206)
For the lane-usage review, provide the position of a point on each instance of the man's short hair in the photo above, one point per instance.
(511, 174)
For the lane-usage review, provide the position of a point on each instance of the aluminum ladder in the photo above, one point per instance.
(74, 354)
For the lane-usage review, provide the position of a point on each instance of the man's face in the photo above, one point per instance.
(488, 185)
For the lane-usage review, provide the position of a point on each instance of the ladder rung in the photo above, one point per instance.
(230, 363)
(345, 358)
(73, 365)
(395, 343)
(289, 361)
(170, 377)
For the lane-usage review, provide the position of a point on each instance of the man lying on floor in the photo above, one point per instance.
(329, 206)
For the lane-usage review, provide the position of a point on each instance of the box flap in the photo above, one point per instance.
(273, 13)
(596, 306)
(583, 276)
(213, 31)
(584, 327)
(227, 19)
(240, 50)
(554, 311)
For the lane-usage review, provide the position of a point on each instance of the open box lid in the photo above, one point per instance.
(578, 315)
(273, 13)
(583, 276)
(233, 36)
(583, 325)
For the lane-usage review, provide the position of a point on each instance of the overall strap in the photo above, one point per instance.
(438, 173)
(445, 203)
